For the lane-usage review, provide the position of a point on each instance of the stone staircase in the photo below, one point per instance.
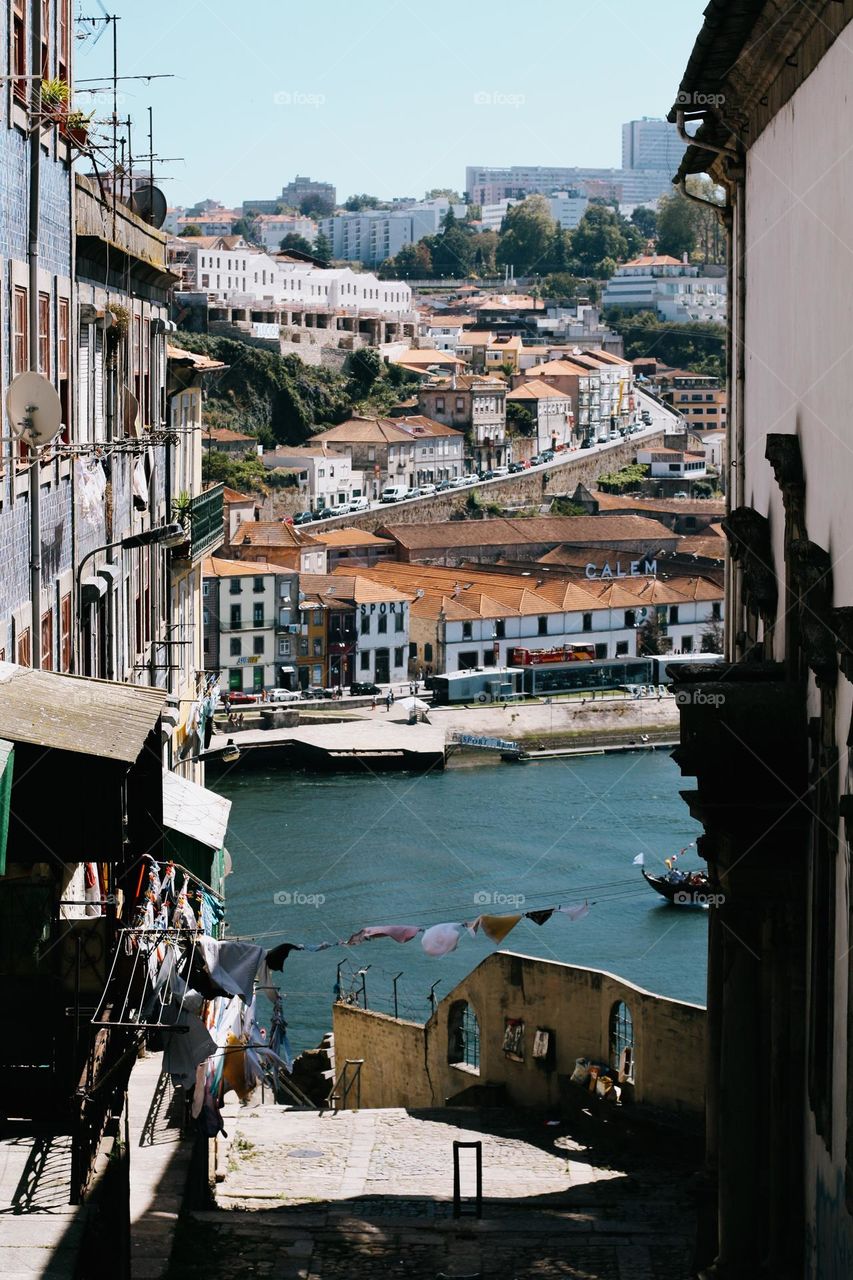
(309, 1196)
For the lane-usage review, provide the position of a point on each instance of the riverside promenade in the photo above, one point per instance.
(343, 734)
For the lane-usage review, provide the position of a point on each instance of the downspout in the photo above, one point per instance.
(33, 325)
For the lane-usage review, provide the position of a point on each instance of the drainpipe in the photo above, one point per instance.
(33, 324)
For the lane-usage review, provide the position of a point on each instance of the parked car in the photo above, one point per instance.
(283, 695)
(547, 455)
(586, 443)
(486, 475)
(340, 509)
(326, 513)
(614, 435)
(427, 490)
(443, 486)
(361, 687)
(647, 417)
(303, 517)
(394, 493)
(316, 691)
(413, 492)
(359, 504)
(240, 698)
(500, 471)
(514, 468)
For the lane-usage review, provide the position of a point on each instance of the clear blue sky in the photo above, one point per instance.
(386, 96)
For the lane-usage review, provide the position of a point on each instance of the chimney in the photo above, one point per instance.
(684, 257)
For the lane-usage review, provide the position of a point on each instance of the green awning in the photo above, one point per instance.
(7, 760)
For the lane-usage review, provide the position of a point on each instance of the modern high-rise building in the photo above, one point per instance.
(651, 144)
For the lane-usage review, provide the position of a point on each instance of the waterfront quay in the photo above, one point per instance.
(381, 737)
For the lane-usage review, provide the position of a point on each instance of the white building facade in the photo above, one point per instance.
(382, 645)
(673, 290)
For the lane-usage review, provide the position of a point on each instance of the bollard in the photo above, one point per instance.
(477, 1211)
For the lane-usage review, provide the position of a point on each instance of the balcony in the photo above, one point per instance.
(206, 527)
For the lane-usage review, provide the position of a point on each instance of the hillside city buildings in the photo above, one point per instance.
(672, 289)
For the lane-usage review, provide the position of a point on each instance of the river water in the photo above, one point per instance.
(317, 857)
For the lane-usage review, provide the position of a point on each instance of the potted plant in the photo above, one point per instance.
(55, 96)
(182, 509)
(76, 127)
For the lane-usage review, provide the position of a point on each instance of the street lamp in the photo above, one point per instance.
(168, 535)
(228, 754)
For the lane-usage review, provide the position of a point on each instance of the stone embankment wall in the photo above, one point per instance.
(526, 488)
(406, 1065)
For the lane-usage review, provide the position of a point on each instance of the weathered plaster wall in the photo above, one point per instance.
(407, 1065)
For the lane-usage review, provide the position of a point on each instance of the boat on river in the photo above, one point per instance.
(682, 888)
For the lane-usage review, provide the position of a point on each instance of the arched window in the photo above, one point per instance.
(622, 1040)
(463, 1037)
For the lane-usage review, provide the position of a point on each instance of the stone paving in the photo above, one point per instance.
(369, 1194)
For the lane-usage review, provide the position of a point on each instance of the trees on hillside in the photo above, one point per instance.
(646, 221)
(322, 247)
(676, 225)
(354, 204)
(294, 241)
(527, 236)
(603, 237)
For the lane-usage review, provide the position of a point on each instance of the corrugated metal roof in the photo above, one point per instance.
(72, 713)
(194, 811)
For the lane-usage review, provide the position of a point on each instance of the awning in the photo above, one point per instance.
(195, 812)
(7, 753)
(76, 714)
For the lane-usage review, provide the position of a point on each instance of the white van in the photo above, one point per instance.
(394, 493)
(359, 504)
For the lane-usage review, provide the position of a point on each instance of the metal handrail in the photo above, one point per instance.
(337, 1100)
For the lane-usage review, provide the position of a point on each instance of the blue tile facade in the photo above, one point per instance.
(55, 262)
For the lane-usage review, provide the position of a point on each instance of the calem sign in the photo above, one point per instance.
(633, 569)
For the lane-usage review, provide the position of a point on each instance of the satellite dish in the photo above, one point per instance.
(131, 413)
(34, 409)
(149, 204)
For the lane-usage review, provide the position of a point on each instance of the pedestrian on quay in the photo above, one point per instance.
(389, 698)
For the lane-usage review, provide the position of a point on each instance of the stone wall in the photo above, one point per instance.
(407, 1065)
(526, 488)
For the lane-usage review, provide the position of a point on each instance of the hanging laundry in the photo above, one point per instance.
(210, 1117)
(140, 486)
(575, 913)
(91, 486)
(441, 939)
(92, 890)
(232, 965)
(497, 927)
(540, 917)
(184, 1050)
(277, 956)
(398, 932)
